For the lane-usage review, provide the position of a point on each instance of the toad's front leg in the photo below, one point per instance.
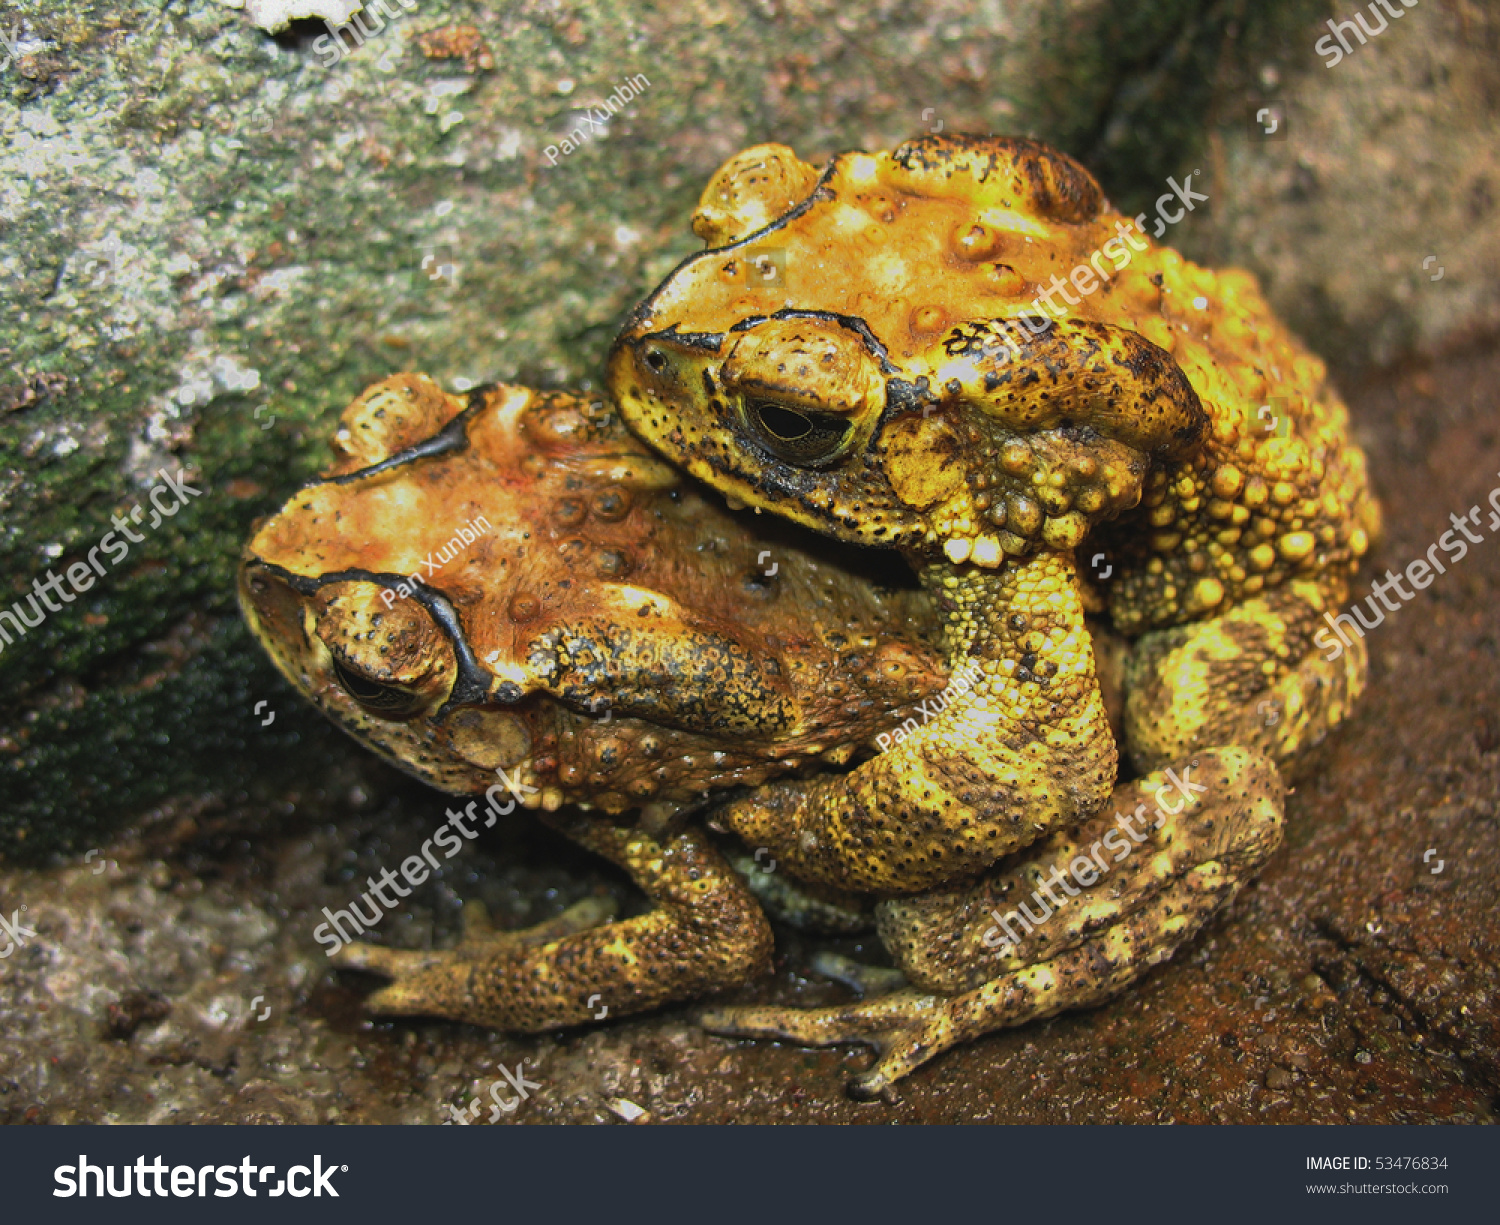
(705, 933)
(1066, 924)
(1020, 746)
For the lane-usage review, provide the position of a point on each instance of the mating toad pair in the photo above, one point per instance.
(1111, 544)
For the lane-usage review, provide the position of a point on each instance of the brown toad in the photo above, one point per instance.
(1156, 448)
(505, 593)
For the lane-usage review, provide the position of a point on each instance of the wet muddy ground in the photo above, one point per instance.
(172, 976)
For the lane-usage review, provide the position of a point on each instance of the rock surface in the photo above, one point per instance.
(1372, 213)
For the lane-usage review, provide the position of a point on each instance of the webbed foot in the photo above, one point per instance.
(995, 953)
(705, 933)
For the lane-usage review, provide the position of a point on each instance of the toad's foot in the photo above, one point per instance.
(799, 904)
(704, 934)
(909, 1027)
(479, 940)
(867, 980)
(899, 1026)
(1158, 886)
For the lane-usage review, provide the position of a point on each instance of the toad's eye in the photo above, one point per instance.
(392, 701)
(810, 440)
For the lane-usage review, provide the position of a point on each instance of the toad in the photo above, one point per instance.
(504, 593)
(876, 350)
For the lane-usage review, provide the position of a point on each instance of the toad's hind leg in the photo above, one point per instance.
(705, 933)
(1260, 675)
(977, 961)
